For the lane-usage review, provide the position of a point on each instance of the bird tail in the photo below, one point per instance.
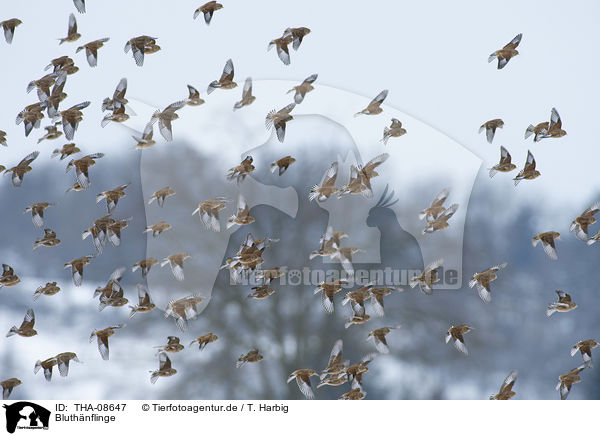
(550, 310)
(13, 331)
(386, 135)
(37, 366)
(274, 167)
(314, 192)
(493, 172)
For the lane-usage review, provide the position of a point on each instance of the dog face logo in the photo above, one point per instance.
(26, 415)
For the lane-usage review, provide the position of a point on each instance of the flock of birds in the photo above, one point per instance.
(248, 259)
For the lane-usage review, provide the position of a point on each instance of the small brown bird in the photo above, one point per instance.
(161, 194)
(281, 47)
(102, 338)
(47, 366)
(144, 265)
(166, 117)
(585, 348)
(52, 132)
(456, 334)
(506, 392)
(80, 6)
(9, 28)
(141, 45)
(37, 212)
(239, 172)
(176, 262)
(32, 116)
(145, 304)
(3, 138)
(164, 368)
(183, 310)
(145, 141)
(193, 97)
(507, 52)
(242, 216)
(226, 80)
(441, 222)
(112, 287)
(374, 107)
(63, 360)
(208, 10)
(8, 278)
(117, 116)
(42, 86)
(48, 289)
(66, 150)
(22, 168)
(72, 34)
(57, 95)
(297, 34)
(379, 339)
(357, 320)
(204, 340)
(48, 240)
(302, 377)
(581, 224)
(552, 129)
(483, 281)
(330, 243)
(114, 230)
(277, 120)
(528, 172)
(158, 228)
(328, 290)
(71, 118)
(63, 63)
(377, 295)
(250, 357)
(112, 197)
(490, 128)
(360, 178)
(304, 88)
(547, 239)
(357, 298)
(76, 266)
(268, 275)
(98, 232)
(326, 187)
(436, 208)
(505, 165)
(91, 50)
(118, 99)
(394, 131)
(344, 256)
(354, 394)
(261, 292)
(8, 385)
(565, 381)
(334, 380)
(247, 97)
(564, 304)
(335, 365)
(356, 371)
(26, 329)
(173, 345)
(282, 164)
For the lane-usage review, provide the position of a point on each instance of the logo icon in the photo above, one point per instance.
(26, 415)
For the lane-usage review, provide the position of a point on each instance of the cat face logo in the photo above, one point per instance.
(26, 415)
